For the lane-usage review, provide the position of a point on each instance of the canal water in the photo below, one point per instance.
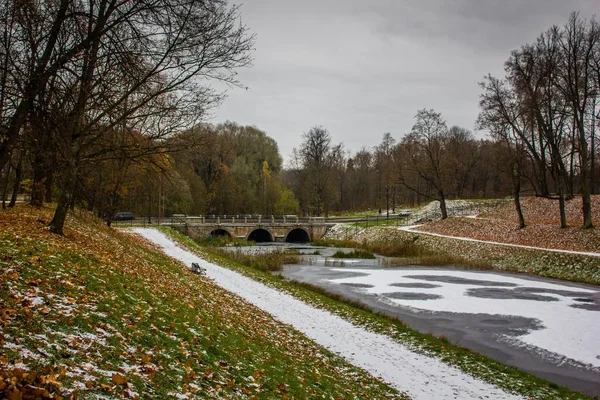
(546, 327)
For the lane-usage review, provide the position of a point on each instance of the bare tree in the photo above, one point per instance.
(74, 70)
(157, 60)
(423, 157)
(383, 154)
(499, 114)
(31, 34)
(317, 159)
(462, 155)
(534, 72)
(577, 83)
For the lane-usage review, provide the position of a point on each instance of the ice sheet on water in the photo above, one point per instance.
(568, 330)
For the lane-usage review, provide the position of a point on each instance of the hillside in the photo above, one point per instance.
(542, 230)
(101, 313)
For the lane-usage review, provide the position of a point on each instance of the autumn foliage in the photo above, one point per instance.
(101, 313)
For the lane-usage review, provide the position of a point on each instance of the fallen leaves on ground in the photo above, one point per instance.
(542, 226)
(100, 312)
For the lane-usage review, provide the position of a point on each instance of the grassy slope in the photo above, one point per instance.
(506, 377)
(99, 313)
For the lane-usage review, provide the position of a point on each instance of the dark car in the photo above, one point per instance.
(124, 216)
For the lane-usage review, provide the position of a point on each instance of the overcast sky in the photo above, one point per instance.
(361, 68)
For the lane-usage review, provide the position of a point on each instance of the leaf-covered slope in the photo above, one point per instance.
(542, 230)
(99, 312)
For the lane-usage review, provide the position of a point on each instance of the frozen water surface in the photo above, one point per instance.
(569, 318)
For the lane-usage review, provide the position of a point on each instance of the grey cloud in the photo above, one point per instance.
(362, 68)
(486, 25)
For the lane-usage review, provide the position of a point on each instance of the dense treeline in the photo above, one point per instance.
(109, 117)
(424, 166)
(233, 170)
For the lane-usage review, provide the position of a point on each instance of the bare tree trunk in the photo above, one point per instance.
(561, 206)
(593, 148)
(572, 167)
(443, 205)
(540, 158)
(5, 187)
(593, 161)
(517, 193)
(560, 189)
(18, 177)
(585, 177)
(37, 194)
(585, 189)
(49, 183)
(65, 200)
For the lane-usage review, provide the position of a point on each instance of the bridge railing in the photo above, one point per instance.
(180, 219)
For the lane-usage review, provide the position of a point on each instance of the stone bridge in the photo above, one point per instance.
(257, 229)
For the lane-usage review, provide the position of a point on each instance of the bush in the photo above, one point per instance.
(271, 261)
(364, 254)
(222, 241)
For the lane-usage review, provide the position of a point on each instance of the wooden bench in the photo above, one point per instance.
(197, 269)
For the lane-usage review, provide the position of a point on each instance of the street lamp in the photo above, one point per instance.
(387, 202)
(149, 203)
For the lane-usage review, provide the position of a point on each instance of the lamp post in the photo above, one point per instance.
(387, 202)
(149, 202)
(149, 196)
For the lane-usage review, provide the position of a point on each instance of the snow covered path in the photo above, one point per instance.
(412, 229)
(419, 376)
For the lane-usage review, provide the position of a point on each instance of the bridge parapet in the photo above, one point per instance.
(285, 228)
(247, 219)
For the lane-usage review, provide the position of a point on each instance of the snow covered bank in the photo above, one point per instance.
(430, 211)
(419, 376)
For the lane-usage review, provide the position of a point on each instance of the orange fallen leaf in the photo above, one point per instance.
(119, 379)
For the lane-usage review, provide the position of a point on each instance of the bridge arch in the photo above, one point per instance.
(220, 233)
(298, 235)
(260, 235)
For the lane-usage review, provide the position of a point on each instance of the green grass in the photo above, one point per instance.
(370, 213)
(223, 241)
(98, 314)
(412, 253)
(509, 378)
(363, 254)
(407, 251)
(381, 221)
(264, 261)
